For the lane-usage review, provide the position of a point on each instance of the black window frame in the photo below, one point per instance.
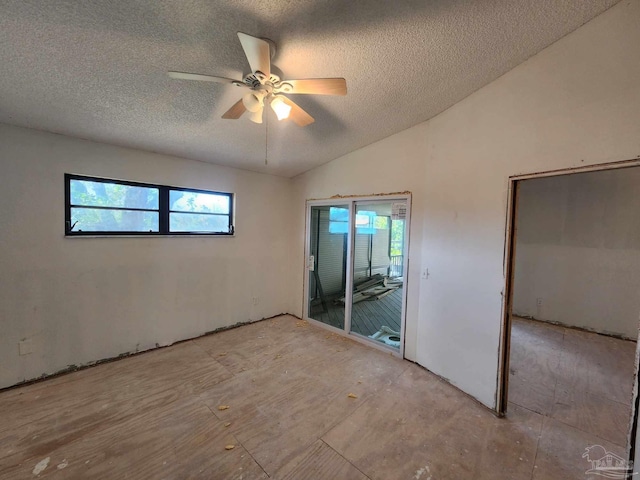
(163, 210)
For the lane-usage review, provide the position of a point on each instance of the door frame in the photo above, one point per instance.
(351, 201)
(502, 390)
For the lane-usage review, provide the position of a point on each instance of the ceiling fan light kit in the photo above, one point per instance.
(267, 87)
(256, 117)
(279, 106)
(253, 101)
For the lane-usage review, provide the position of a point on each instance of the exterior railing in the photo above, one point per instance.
(396, 266)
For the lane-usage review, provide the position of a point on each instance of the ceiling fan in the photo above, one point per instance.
(266, 88)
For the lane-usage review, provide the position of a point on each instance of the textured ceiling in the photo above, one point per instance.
(96, 69)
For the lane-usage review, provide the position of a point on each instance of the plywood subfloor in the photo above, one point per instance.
(579, 382)
(289, 416)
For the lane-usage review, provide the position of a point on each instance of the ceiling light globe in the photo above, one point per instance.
(256, 117)
(253, 102)
(280, 107)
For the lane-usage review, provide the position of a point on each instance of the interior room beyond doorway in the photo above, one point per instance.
(575, 305)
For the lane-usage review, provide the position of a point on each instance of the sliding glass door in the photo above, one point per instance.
(327, 264)
(378, 260)
(355, 267)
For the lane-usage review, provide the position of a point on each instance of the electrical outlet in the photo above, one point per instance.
(539, 309)
(25, 347)
(256, 300)
(425, 273)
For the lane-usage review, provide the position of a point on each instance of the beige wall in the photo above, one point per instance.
(81, 299)
(576, 103)
(578, 251)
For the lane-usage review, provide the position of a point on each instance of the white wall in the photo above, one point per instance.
(81, 299)
(578, 251)
(576, 103)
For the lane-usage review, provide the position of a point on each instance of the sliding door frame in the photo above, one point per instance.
(351, 203)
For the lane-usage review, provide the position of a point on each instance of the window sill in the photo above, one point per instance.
(145, 235)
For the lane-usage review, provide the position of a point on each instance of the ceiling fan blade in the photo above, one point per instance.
(297, 114)
(257, 52)
(203, 78)
(315, 86)
(235, 111)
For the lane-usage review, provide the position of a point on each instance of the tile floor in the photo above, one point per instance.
(286, 385)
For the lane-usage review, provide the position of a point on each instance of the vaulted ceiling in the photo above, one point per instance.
(97, 70)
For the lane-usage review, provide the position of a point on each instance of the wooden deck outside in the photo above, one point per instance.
(367, 317)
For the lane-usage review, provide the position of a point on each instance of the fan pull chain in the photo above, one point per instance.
(266, 137)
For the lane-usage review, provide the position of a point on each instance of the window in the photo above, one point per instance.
(97, 206)
(196, 211)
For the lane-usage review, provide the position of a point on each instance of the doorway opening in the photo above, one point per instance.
(355, 273)
(571, 308)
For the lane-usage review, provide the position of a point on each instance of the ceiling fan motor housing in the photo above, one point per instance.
(259, 78)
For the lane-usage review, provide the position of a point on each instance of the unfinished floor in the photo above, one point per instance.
(286, 384)
(580, 379)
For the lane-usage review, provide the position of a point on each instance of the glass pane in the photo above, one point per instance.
(338, 220)
(102, 220)
(327, 277)
(198, 202)
(377, 272)
(194, 222)
(100, 194)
